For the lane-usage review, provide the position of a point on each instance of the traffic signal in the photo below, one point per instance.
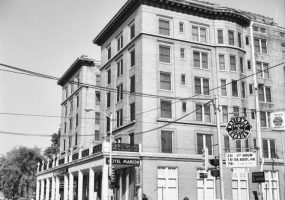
(205, 158)
(215, 172)
(112, 178)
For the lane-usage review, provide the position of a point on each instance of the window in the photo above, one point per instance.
(64, 147)
(234, 88)
(132, 84)
(118, 140)
(66, 91)
(164, 27)
(242, 89)
(264, 93)
(166, 141)
(132, 138)
(244, 112)
(201, 86)
(222, 65)
(248, 64)
(164, 54)
(119, 117)
(97, 118)
(239, 40)
(236, 110)
(241, 65)
(231, 38)
(165, 81)
(120, 42)
(181, 27)
(203, 113)
(255, 28)
(132, 30)
(252, 113)
(225, 114)
(132, 112)
(227, 143)
(240, 184)
(223, 87)
(119, 92)
(260, 45)
(166, 110)
(200, 59)
(199, 34)
(109, 52)
(65, 110)
(182, 53)
(264, 119)
(268, 146)
(238, 145)
(64, 127)
(98, 80)
(71, 107)
(97, 98)
(262, 70)
(70, 123)
(246, 40)
(69, 142)
(204, 140)
(108, 124)
(220, 37)
(205, 187)
(246, 146)
(76, 120)
(262, 30)
(184, 107)
(108, 98)
(233, 63)
(167, 183)
(77, 101)
(120, 68)
(283, 49)
(183, 79)
(97, 135)
(250, 88)
(270, 188)
(133, 57)
(109, 76)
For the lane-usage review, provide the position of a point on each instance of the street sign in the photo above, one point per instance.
(241, 159)
(238, 128)
(258, 177)
(277, 120)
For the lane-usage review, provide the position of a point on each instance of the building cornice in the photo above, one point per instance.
(76, 65)
(196, 8)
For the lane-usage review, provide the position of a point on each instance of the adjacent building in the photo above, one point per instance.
(163, 65)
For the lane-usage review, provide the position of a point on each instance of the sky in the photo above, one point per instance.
(46, 37)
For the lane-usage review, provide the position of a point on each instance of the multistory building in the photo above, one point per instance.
(164, 64)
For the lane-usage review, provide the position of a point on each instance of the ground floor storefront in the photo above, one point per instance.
(137, 175)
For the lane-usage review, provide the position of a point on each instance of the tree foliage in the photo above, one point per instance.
(53, 149)
(18, 170)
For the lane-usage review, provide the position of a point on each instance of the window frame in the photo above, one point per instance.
(163, 30)
(165, 82)
(163, 148)
(202, 87)
(120, 67)
(166, 110)
(200, 60)
(164, 58)
(199, 34)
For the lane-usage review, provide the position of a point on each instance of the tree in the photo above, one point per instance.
(18, 170)
(54, 148)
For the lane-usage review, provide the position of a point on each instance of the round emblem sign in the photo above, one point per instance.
(238, 128)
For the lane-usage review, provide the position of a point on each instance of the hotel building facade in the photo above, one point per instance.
(164, 63)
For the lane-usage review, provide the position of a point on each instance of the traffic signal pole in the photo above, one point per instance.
(220, 148)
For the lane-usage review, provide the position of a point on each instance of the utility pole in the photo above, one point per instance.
(220, 148)
(110, 156)
(258, 131)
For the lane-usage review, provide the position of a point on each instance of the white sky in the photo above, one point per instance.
(46, 37)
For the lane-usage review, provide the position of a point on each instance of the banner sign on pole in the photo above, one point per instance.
(241, 159)
(277, 120)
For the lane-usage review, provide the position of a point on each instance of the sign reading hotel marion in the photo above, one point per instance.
(124, 161)
(238, 128)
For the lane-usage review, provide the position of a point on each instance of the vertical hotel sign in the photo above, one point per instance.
(277, 120)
